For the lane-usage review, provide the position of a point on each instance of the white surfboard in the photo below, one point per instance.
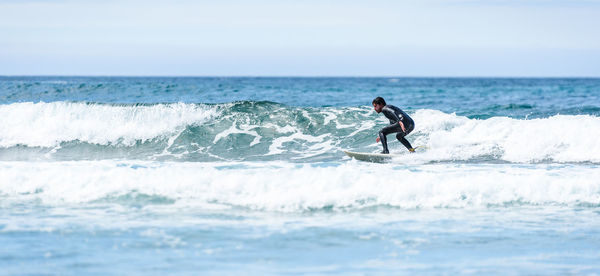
(376, 157)
(370, 157)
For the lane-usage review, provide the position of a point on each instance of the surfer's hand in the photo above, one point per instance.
(402, 126)
(377, 139)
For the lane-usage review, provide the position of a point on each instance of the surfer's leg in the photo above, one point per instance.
(385, 131)
(403, 140)
(383, 140)
(400, 137)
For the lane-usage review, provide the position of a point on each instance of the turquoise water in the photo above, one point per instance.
(113, 175)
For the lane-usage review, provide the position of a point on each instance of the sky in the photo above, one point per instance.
(452, 38)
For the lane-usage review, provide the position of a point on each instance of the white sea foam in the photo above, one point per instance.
(291, 188)
(49, 124)
(243, 129)
(562, 138)
(449, 137)
(322, 145)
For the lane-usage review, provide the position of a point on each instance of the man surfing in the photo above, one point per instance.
(400, 123)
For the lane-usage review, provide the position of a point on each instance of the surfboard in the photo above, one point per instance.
(376, 157)
(370, 157)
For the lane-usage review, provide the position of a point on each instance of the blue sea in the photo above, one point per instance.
(247, 176)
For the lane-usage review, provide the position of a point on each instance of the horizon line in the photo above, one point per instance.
(306, 76)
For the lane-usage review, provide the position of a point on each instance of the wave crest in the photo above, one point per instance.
(50, 124)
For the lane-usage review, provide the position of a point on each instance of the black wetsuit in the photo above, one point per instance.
(395, 114)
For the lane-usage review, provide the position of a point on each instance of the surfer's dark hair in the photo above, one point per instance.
(379, 100)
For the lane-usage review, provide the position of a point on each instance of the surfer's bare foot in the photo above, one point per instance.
(411, 149)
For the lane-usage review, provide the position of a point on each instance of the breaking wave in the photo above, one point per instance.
(267, 131)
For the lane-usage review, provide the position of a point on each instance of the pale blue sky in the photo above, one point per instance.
(300, 38)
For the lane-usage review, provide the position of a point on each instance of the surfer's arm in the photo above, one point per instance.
(402, 126)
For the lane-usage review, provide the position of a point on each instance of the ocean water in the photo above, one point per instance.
(116, 175)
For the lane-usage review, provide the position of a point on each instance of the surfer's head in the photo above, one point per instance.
(378, 104)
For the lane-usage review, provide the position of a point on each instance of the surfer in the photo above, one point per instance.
(400, 123)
